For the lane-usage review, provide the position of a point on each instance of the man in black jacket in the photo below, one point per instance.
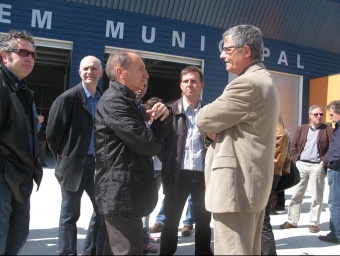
(125, 187)
(183, 167)
(70, 136)
(19, 147)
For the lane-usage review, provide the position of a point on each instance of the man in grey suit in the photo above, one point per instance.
(239, 162)
(70, 136)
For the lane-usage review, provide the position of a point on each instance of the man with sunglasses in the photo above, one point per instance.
(308, 148)
(19, 146)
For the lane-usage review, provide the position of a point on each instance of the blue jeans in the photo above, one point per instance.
(334, 202)
(70, 213)
(14, 221)
(189, 218)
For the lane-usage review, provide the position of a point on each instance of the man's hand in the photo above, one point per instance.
(158, 110)
(212, 136)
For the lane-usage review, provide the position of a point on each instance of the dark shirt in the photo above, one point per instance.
(334, 147)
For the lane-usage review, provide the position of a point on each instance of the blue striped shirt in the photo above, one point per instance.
(193, 158)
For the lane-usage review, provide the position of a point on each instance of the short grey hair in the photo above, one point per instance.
(335, 105)
(247, 35)
(9, 42)
(311, 108)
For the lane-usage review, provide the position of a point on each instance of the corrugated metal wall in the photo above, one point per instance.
(313, 23)
(85, 26)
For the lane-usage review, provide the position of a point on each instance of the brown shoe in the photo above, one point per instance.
(186, 231)
(314, 229)
(287, 225)
(156, 228)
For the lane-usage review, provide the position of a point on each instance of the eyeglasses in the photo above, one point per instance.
(316, 114)
(229, 49)
(24, 53)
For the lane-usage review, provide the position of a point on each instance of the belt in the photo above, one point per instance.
(310, 162)
(91, 155)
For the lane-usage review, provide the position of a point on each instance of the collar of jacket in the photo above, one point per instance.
(12, 81)
(253, 66)
(178, 106)
(82, 94)
(124, 89)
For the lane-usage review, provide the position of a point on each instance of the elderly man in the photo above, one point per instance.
(19, 147)
(308, 149)
(125, 187)
(239, 162)
(70, 136)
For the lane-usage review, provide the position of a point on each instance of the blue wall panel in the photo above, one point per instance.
(85, 26)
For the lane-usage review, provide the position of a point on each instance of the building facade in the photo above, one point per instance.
(67, 31)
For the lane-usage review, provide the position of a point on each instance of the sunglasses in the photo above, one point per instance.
(316, 114)
(24, 53)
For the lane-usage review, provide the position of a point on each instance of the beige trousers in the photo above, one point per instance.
(238, 233)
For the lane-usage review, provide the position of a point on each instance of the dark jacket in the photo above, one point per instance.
(300, 139)
(19, 147)
(173, 149)
(68, 134)
(124, 148)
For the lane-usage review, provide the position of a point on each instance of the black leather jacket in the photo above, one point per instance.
(173, 149)
(19, 147)
(124, 180)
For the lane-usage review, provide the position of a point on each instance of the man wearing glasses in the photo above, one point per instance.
(239, 162)
(308, 148)
(19, 146)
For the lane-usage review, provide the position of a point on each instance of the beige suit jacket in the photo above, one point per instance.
(239, 163)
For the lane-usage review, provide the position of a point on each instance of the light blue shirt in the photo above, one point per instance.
(310, 151)
(92, 102)
(193, 158)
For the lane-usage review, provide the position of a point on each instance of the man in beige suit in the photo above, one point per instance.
(239, 162)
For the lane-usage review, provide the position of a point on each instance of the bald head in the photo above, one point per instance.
(90, 71)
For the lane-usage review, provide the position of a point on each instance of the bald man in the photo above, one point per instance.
(69, 134)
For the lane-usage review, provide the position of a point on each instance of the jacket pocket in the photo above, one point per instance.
(126, 177)
(61, 166)
(224, 162)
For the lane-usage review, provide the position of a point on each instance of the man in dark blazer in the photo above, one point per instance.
(308, 148)
(70, 136)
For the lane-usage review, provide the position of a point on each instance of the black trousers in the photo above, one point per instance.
(267, 238)
(189, 182)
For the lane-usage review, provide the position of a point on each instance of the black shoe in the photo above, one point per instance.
(329, 239)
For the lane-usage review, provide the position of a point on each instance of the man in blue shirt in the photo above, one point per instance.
(70, 136)
(333, 176)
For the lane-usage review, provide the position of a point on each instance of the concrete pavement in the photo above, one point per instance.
(45, 207)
